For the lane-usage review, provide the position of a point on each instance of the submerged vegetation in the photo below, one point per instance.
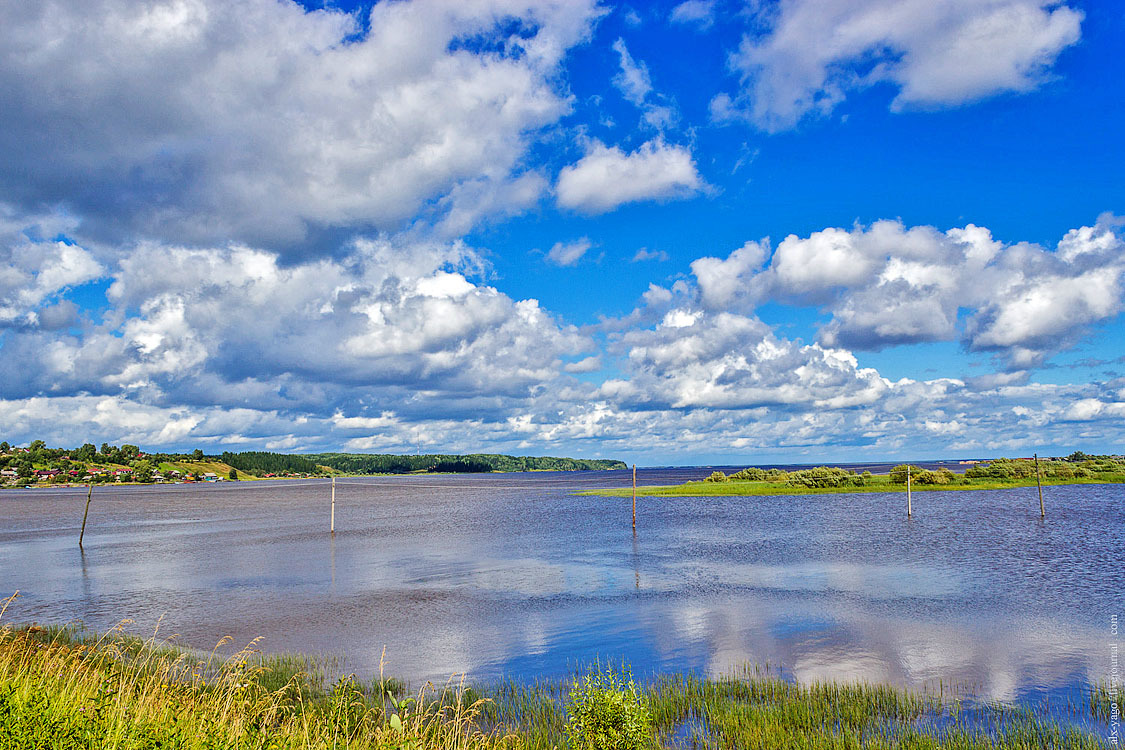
(998, 473)
(61, 689)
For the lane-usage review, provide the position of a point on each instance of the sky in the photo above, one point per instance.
(712, 231)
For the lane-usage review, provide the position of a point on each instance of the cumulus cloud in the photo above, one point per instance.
(587, 364)
(695, 375)
(887, 284)
(233, 327)
(607, 177)
(814, 52)
(403, 348)
(255, 120)
(33, 272)
(693, 359)
(722, 281)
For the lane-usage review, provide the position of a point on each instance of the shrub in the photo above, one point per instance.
(898, 474)
(1002, 468)
(824, 476)
(750, 474)
(717, 476)
(606, 712)
(925, 476)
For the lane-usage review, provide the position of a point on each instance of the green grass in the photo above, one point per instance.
(62, 688)
(1103, 698)
(877, 483)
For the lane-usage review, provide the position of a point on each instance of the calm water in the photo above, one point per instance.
(508, 574)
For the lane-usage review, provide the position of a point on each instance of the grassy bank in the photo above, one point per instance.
(60, 690)
(995, 474)
(877, 483)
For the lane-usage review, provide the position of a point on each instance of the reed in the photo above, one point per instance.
(1105, 698)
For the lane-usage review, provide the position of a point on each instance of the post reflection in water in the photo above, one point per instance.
(636, 562)
(513, 575)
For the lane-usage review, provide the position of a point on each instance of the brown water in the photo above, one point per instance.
(510, 575)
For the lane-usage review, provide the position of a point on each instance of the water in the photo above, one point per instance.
(510, 575)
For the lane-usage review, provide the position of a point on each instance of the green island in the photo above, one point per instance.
(1000, 473)
(61, 687)
(39, 465)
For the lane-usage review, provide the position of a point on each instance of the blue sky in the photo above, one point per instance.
(680, 232)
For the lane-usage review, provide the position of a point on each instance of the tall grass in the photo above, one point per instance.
(1107, 702)
(61, 689)
(116, 692)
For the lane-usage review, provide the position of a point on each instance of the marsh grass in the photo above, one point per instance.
(1104, 698)
(877, 483)
(755, 708)
(63, 688)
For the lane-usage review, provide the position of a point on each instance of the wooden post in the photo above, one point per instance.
(1039, 484)
(89, 494)
(332, 523)
(909, 510)
(634, 498)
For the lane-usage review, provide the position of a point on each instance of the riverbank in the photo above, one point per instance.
(61, 688)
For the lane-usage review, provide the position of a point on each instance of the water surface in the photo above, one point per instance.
(510, 575)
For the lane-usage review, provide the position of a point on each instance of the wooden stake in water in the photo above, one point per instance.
(1039, 484)
(332, 523)
(634, 498)
(909, 510)
(89, 494)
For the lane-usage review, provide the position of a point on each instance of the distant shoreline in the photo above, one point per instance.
(319, 477)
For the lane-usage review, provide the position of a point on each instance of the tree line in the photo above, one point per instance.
(385, 463)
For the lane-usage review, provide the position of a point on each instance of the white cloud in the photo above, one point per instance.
(588, 364)
(33, 273)
(207, 120)
(936, 54)
(236, 326)
(568, 253)
(721, 281)
(606, 178)
(635, 84)
(633, 80)
(698, 12)
(721, 360)
(888, 284)
(645, 254)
